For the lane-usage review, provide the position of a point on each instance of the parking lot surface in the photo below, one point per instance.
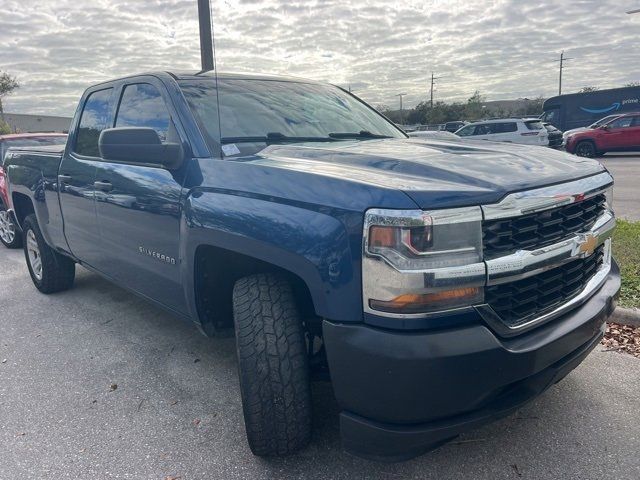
(625, 168)
(98, 384)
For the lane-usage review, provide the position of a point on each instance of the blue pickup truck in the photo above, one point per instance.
(438, 285)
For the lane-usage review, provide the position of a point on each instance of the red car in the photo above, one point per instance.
(618, 135)
(10, 234)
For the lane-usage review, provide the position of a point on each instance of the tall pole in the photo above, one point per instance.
(431, 96)
(206, 36)
(401, 95)
(562, 60)
(433, 82)
(560, 77)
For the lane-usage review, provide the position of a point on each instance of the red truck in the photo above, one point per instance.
(10, 235)
(620, 134)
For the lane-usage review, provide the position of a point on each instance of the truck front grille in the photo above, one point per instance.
(518, 302)
(507, 235)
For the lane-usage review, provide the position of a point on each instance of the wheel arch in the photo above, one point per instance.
(215, 272)
(22, 207)
(226, 236)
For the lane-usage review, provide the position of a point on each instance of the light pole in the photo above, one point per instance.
(206, 36)
(401, 95)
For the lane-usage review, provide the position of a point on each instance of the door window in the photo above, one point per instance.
(142, 105)
(466, 131)
(483, 129)
(624, 122)
(94, 119)
(505, 127)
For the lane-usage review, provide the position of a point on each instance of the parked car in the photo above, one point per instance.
(454, 126)
(10, 234)
(437, 286)
(622, 134)
(435, 135)
(512, 130)
(555, 135)
(595, 124)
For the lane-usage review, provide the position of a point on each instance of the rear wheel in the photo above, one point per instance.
(50, 271)
(9, 233)
(586, 149)
(272, 365)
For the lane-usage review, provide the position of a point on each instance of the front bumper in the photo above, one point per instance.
(402, 394)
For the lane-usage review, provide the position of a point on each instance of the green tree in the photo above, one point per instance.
(588, 89)
(7, 85)
(474, 109)
(632, 84)
(4, 127)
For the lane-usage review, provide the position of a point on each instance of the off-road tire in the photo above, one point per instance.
(58, 271)
(272, 365)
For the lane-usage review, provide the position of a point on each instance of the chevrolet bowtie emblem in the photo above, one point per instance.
(588, 245)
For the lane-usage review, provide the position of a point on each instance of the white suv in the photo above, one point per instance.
(513, 130)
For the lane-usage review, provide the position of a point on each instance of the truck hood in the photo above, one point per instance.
(434, 173)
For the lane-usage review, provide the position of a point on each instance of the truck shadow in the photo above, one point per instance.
(188, 377)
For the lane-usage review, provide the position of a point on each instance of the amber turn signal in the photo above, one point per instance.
(424, 302)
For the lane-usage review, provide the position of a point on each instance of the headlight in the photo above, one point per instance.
(419, 262)
(609, 197)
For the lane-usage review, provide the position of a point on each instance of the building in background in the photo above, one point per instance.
(24, 123)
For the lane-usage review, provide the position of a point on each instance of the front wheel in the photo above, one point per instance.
(272, 365)
(9, 232)
(50, 271)
(586, 149)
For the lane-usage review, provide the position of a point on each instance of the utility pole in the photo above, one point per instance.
(206, 35)
(401, 95)
(562, 60)
(433, 81)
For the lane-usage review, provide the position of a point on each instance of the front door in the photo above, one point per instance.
(76, 178)
(138, 206)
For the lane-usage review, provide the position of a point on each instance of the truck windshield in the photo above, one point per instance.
(270, 111)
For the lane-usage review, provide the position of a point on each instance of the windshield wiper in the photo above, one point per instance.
(365, 134)
(275, 137)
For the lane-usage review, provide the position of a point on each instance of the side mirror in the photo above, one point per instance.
(139, 145)
(604, 127)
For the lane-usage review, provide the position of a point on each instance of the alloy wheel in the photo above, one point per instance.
(7, 227)
(33, 252)
(586, 149)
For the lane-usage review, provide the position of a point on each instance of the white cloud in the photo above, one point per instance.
(504, 48)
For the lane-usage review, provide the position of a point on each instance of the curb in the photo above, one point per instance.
(626, 316)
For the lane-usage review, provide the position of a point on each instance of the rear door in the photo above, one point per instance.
(634, 133)
(504, 131)
(618, 135)
(76, 177)
(138, 208)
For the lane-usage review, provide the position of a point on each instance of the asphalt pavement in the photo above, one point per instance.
(625, 169)
(98, 384)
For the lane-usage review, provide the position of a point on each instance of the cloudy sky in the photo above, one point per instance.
(504, 48)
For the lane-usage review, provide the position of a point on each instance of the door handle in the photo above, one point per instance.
(103, 186)
(64, 178)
